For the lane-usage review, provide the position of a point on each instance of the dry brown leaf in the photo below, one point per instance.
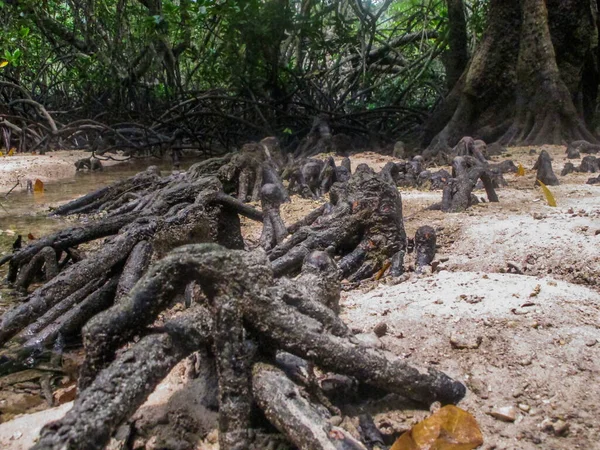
(450, 428)
(38, 186)
(382, 271)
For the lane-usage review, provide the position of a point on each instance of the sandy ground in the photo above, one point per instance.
(52, 166)
(526, 342)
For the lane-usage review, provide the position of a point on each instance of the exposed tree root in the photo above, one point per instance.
(364, 226)
(249, 311)
(545, 174)
(239, 310)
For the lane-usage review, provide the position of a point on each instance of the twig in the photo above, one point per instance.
(13, 188)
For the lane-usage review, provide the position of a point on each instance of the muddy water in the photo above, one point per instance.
(24, 213)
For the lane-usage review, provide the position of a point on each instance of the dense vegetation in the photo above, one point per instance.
(194, 73)
(230, 70)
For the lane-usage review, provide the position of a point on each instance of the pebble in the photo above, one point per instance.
(462, 341)
(65, 395)
(526, 361)
(380, 329)
(479, 388)
(591, 342)
(504, 413)
(336, 420)
(524, 407)
(557, 427)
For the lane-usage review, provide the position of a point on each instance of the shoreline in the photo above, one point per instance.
(51, 167)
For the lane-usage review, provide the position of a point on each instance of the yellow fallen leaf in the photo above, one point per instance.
(1, 154)
(3, 63)
(549, 197)
(382, 271)
(11, 152)
(450, 428)
(38, 186)
(520, 170)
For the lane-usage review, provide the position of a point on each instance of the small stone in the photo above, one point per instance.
(16, 435)
(65, 395)
(526, 361)
(478, 387)
(561, 428)
(504, 413)
(539, 216)
(336, 420)
(591, 342)
(557, 427)
(469, 342)
(380, 329)
(524, 407)
(426, 270)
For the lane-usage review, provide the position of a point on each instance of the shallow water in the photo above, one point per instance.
(26, 213)
(23, 213)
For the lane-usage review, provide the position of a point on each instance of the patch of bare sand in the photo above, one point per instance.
(52, 166)
(538, 352)
(22, 432)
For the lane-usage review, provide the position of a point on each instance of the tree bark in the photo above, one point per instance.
(519, 88)
(457, 56)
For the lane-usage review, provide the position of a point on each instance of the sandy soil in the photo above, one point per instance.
(527, 341)
(52, 166)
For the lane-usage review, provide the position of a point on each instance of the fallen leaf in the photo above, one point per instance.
(31, 237)
(450, 428)
(520, 170)
(11, 152)
(3, 64)
(382, 271)
(38, 186)
(549, 197)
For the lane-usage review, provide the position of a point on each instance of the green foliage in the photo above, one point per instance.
(326, 55)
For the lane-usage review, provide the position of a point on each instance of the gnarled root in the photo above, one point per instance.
(363, 226)
(281, 314)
